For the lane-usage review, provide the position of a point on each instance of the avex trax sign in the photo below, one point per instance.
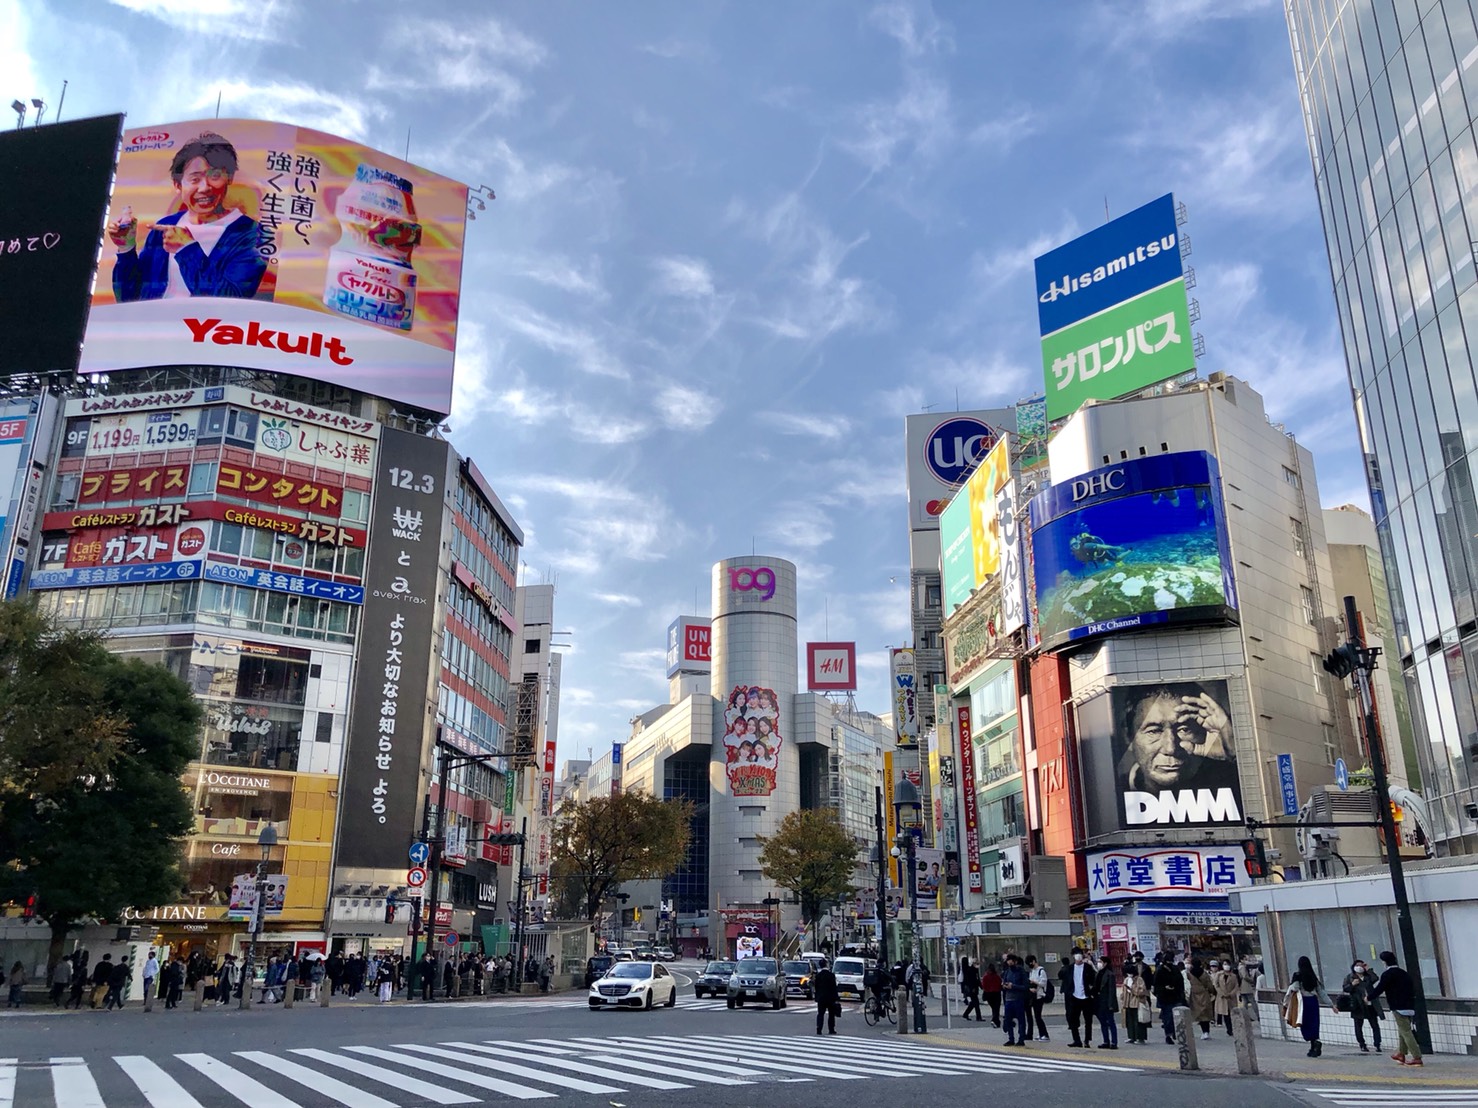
(1113, 309)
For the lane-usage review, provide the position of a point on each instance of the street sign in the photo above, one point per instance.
(953, 940)
(420, 852)
(1341, 774)
(451, 938)
(1286, 785)
(415, 877)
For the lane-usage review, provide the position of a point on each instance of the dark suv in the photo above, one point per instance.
(714, 980)
(597, 967)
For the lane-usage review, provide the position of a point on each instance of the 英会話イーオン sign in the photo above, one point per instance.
(1113, 310)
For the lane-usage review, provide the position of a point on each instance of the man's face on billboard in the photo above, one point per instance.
(1162, 743)
(203, 187)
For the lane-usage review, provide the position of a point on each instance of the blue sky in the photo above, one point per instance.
(734, 244)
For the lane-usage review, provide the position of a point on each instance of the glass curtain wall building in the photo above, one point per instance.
(1389, 91)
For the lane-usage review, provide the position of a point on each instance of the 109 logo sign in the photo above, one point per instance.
(747, 579)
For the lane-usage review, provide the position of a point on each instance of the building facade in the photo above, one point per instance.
(1389, 95)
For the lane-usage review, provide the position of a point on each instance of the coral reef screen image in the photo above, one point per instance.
(1130, 546)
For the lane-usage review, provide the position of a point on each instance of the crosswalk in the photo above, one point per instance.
(689, 1003)
(1368, 1096)
(465, 1072)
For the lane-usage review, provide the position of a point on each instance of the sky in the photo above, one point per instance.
(735, 244)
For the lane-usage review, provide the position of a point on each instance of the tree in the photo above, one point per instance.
(105, 836)
(606, 840)
(812, 856)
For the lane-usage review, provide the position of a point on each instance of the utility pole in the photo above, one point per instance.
(434, 861)
(1358, 661)
(882, 909)
(518, 925)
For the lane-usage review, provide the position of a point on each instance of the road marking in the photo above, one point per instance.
(330, 1087)
(437, 1094)
(460, 1055)
(681, 1056)
(705, 1047)
(7, 1082)
(246, 1089)
(500, 1051)
(72, 1081)
(159, 1089)
(1425, 1098)
(652, 1067)
(518, 1092)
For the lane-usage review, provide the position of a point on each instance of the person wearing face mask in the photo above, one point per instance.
(1226, 983)
(1077, 979)
(1106, 994)
(1364, 1008)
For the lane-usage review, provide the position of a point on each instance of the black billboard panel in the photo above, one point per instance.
(54, 187)
(388, 714)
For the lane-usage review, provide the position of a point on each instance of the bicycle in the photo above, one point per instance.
(873, 1010)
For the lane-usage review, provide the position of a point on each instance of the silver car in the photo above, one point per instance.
(757, 979)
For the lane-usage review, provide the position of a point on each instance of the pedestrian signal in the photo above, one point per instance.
(1255, 858)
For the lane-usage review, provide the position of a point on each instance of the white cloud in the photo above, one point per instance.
(236, 19)
(674, 48)
(346, 115)
(620, 600)
(465, 57)
(917, 122)
(15, 56)
(685, 277)
(685, 409)
(827, 428)
(472, 388)
(1005, 130)
(914, 25)
(558, 271)
(605, 522)
(584, 350)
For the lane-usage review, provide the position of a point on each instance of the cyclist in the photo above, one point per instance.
(879, 983)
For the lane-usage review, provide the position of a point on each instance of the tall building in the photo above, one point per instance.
(1389, 94)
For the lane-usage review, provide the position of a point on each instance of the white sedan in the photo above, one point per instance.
(634, 985)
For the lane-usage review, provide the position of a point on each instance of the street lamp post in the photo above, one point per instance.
(882, 851)
(266, 840)
(906, 801)
(772, 908)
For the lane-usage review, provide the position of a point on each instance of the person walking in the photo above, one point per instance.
(1015, 989)
(225, 979)
(1202, 992)
(1134, 1000)
(1077, 978)
(1308, 988)
(17, 982)
(151, 972)
(546, 973)
(828, 999)
(384, 980)
(174, 982)
(80, 982)
(1396, 986)
(1168, 987)
(117, 983)
(100, 974)
(1364, 1008)
(1227, 985)
(990, 991)
(61, 981)
(1041, 994)
(1106, 1004)
(970, 989)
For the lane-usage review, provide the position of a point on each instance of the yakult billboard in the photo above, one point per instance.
(246, 243)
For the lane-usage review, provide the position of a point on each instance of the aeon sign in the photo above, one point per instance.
(952, 449)
(760, 579)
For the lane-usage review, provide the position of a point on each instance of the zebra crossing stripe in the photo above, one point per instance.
(865, 1055)
(688, 1074)
(437, 1094)
(867, 1049)
(1424, 1098)
(662, 1053)
(7, 1082)
(704, 1047)
(72, 1081)
(510, 1068)
(321, 1083)
(492, 1084)
(565, 1064)
(159, 1089)
(242, 1086)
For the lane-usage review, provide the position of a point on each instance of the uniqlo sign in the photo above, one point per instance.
(689, 645)
(831, 666)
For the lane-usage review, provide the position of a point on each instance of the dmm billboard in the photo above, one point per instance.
(245, 243)
(1113, 311)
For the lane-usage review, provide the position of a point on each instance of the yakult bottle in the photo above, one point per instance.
(369, 269)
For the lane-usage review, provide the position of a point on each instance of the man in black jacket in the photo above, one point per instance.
(1077, 979)
(828, 1000)
(1400, 994)
(1168, 985)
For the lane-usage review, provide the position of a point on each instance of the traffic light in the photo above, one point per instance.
(505, 838)
(28, 909)
(1342, 660)
(1255, 858)
(390, 909)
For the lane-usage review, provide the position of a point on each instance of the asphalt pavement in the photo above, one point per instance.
(364, 1055)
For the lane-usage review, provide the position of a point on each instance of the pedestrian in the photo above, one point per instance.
(1041, 995)
(449, 978)
(1202, 992)
(174, 982)
(335, 971)
(61, 981)
(1106, 1004)
(1077, 979)
(151, 972)
(1134, 1000)
(1015, 989)
(117, 984)
(828, 999)
(1227, 985)
(970, 989)
(225, 979)
(17, 982)
(546, 973)
(100, 974)
(80, 982)
(990, 990)
(1305, 991)
(1168, 987)
(1400, 992)
(1363, 1007)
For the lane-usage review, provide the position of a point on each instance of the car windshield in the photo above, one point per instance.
(800, 969)
(720, 967)
(630, 969)
(849, 965)
(758, 965)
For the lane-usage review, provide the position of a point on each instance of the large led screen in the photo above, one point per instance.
(1130, 546)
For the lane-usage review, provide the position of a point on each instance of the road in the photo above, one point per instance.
(500, 1051)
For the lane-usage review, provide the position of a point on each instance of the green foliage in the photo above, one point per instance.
(610, 839)
(812, 856)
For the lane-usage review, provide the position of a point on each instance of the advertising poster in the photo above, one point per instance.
(243, 902)
(980, 543)
(752, 740)
(941, 452)
(1159, 756)
(388, 708)
(966, 740)
(904, 679)
(1129, 546)
(263, 245)
(928, 874)
(55, 182)
(1148, 874)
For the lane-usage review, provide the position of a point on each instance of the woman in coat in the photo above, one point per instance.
(1132, 994)
(1203, 997)
(1307, 987)
(1364, 1008)
(1106, 994)
(1227, 984)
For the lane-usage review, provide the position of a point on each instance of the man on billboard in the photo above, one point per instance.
(208, 247)
(1176, 741)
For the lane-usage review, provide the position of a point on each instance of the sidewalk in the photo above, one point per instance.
(1277, 1059)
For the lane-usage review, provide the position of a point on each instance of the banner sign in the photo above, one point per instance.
(752, 740)
(1142, 874)
(115, 575)
(967, 784)
(161, 482)
(267, 487)
(294, 583)
(904, 680)
(831, 666)
(689, 645)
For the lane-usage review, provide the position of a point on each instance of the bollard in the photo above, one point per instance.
(903, 998)
(289, 992)
(920, 1016)
(149, 996)
(323, 994)
(200, 994)
(1185, 1039)
(1244, 1038)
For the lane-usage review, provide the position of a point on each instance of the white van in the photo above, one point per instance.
(850, 971)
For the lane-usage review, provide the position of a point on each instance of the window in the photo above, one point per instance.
(202, 478)
(1300, 542)
(933, 598)
(1331, 746)
(531, 646)
(1317, 665)
(1290, 478)
(1306, 596)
